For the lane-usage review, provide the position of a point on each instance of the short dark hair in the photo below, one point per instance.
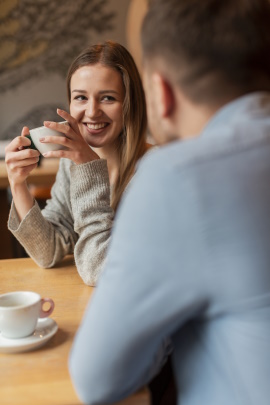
(211, 48)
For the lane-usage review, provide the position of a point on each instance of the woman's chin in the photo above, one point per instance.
(97, 143)
(101, 142)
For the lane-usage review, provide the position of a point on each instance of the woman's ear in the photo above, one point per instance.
(165, 98)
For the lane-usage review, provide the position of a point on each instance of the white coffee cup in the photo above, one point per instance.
(42, 132)
(19, 313)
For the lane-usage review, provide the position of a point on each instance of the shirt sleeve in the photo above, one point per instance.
(138, 302)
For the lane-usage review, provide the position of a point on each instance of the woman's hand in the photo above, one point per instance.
(20, 161)
(76, 149)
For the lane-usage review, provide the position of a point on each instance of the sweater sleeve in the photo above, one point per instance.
(93, 217)
(47, 235)
(77, 219)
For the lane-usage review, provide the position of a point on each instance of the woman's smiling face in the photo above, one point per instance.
(97, 95)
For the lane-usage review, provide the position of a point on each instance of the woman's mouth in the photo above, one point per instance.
(100, 125)
(96, 128)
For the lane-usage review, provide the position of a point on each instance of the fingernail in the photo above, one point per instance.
(59, 110)
(47, 123)
(41, 139)
(45, 154)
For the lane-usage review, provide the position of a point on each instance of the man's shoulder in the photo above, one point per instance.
(161, 168)
(173, 156)
(208, 147)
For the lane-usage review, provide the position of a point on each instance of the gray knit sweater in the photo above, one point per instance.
(77, 219)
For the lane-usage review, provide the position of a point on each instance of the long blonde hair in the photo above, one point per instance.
(132, 140)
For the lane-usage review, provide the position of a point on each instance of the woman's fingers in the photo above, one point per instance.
(57, 154)
(75, 147)
(71, 129)
(59, 140)
(17, 143)
(15, 164)
(22, 158)
(19, 170)
(19, 174)
(62, 128)
(25, 131)
(77, 156)
(72, 122)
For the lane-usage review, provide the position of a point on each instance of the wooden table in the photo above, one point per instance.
(44, 175)
(41, 377)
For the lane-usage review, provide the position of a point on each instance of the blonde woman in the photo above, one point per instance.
(105, 139)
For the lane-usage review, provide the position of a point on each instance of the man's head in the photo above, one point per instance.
(208, 52)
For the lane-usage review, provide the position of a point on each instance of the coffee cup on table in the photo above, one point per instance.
(42, 132)
(20, 311)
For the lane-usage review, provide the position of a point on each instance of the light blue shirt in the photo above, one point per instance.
(189, 259)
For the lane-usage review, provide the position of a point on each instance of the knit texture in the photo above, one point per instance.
(77, 219)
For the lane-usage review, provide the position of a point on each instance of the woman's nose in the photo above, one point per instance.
(93, 109)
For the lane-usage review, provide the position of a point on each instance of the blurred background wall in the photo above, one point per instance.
(38, 41)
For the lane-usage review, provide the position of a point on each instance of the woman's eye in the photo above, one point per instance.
(108, 98)
(80, 98)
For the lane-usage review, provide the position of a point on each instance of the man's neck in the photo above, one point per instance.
(192, 118)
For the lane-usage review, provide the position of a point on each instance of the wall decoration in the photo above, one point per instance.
(41, 36)
(38, 41)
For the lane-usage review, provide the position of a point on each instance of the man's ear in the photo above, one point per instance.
(164, 95)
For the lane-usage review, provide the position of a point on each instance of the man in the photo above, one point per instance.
(190, 257)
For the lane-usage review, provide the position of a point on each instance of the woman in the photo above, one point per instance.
(104, 140)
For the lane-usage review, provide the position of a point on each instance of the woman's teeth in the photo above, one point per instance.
(96, 126)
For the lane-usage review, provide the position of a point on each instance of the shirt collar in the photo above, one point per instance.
(243, 108)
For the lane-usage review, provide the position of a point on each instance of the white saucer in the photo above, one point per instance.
(45, 329)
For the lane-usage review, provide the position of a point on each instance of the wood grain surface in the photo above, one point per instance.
(41, 376)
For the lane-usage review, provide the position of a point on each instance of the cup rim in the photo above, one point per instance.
(33, 293)
(48, 129)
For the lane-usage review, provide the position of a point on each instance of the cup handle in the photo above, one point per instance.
(45, 314)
